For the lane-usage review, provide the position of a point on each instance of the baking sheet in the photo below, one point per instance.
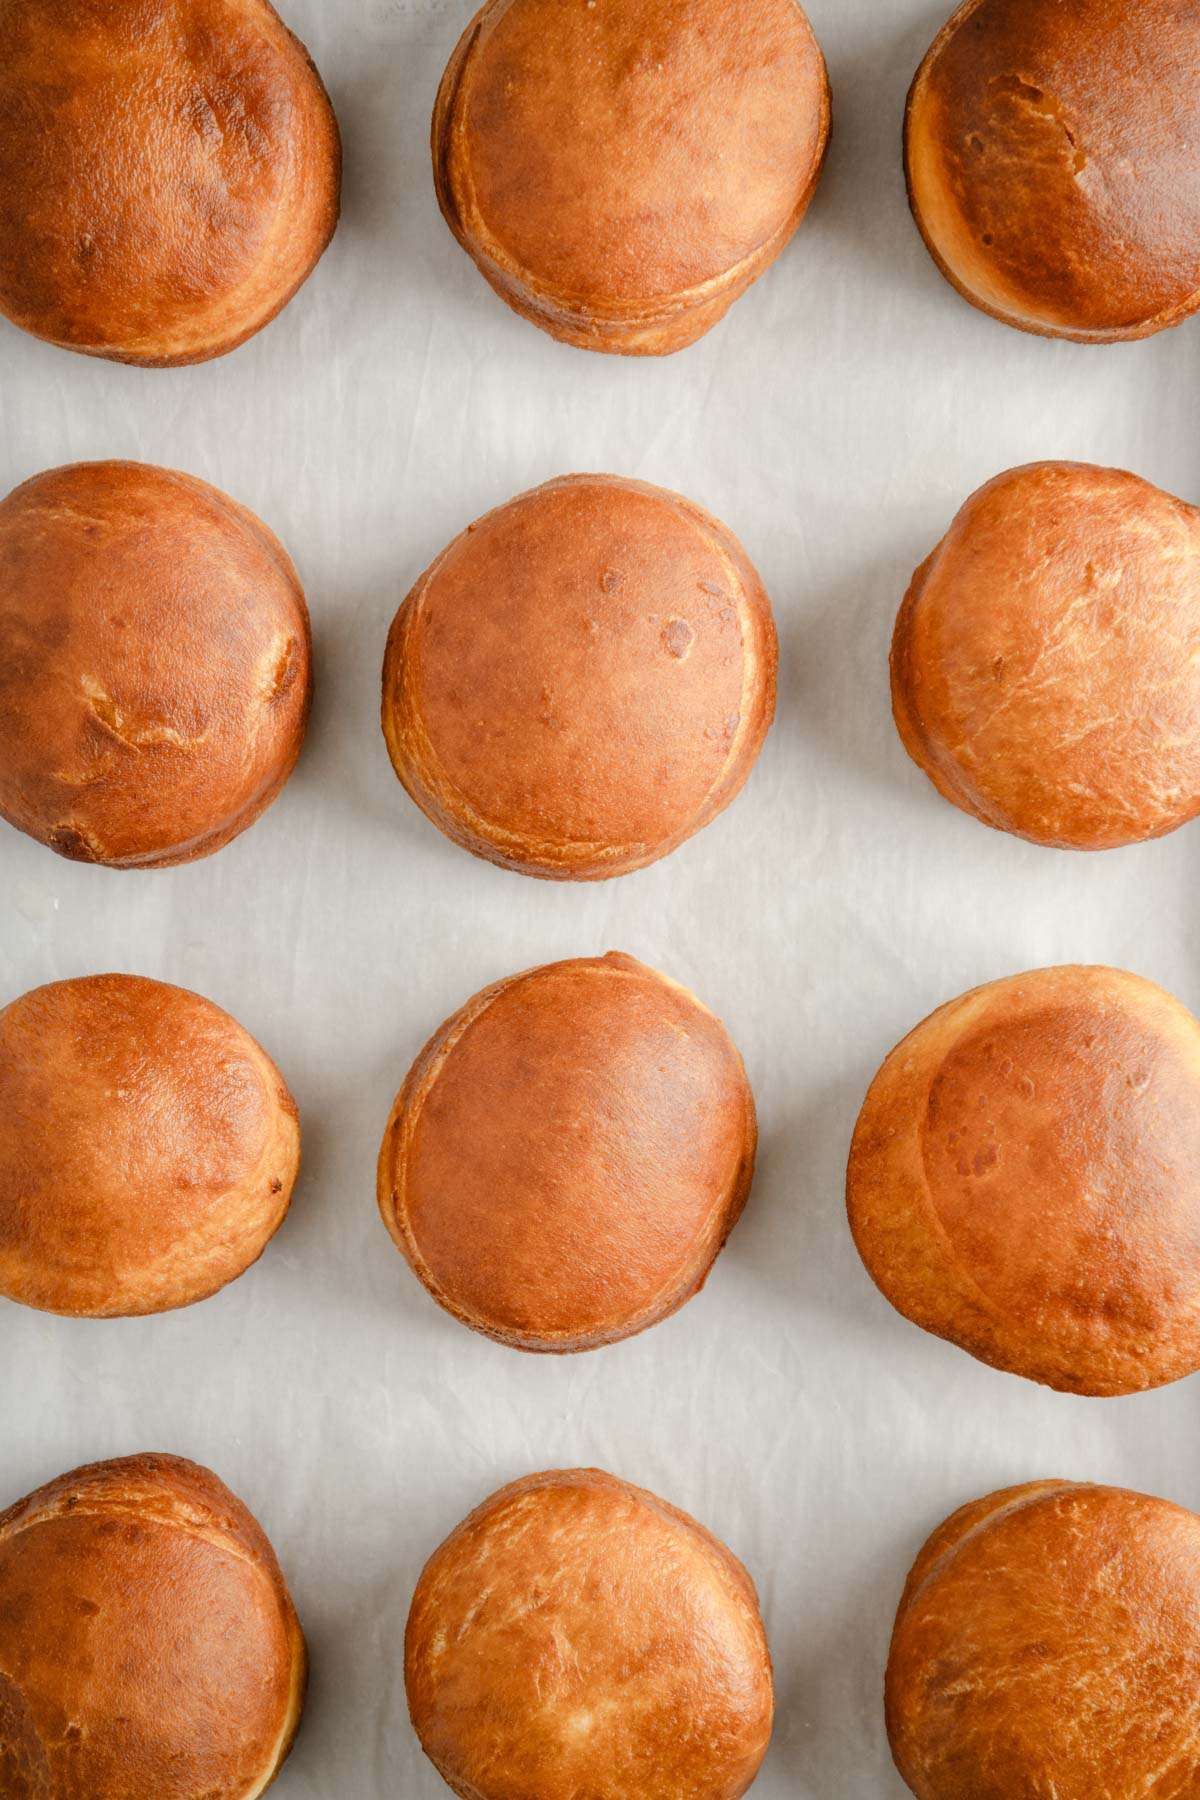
(835, 421)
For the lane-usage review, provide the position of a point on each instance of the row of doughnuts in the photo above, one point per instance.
(619, 171)
(577, 1635)
(585, 676)
(571, 1149)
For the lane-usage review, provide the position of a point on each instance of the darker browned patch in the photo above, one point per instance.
(678, 637)
(24, 1767)
(69, 841)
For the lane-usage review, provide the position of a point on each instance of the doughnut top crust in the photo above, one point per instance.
(1025, 1179)
(621, 170)
(148, 1644)
(582, 680)
(1051, 162)
(576, 1635)
(155, 664)
(1046, 659)
(569, 1153)
(1048, 1642)
(148, 1147)
(169, 173)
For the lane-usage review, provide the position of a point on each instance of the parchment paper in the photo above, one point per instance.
(835, 421)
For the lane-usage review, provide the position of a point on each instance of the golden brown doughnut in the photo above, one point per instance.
(148, 1147)
(1048, 1644)
(1050, 148)
(621, 171)
(1046, 660)
(169, 173)
(148, 1643)
(569, 1154)
(155, 664)
(1024, 1179)
(582, 680)
(577, 1636)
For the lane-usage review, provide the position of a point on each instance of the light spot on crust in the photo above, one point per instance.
(281, 665)
(133, 733)
(1047, 107)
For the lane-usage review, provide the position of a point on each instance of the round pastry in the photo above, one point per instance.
(148, 1644)
(577, 1636)
(569, 1153)
(1048, 1643)
(582, 680)
(1046, 660)
(621, 172)
(169, 173)
(1050, 153)
(155, 664)
(148, 1147)
(1025, 1179)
